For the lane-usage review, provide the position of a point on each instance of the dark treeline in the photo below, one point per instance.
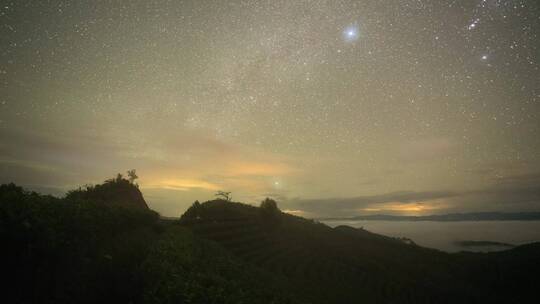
(102, 244)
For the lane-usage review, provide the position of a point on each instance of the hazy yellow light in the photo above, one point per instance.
(407, 208)
(183, 184)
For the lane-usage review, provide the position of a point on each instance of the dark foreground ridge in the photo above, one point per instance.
(101, 245)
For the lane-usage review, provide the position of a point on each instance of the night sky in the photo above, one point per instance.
(333, 108)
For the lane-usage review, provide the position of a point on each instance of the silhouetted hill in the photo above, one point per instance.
(348, 265)
(118, 191)
(93, 246)
(88, 248)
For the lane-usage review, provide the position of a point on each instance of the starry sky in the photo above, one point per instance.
(333, 108)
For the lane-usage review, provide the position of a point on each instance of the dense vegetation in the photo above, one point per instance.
(101, 244)
(72, 250)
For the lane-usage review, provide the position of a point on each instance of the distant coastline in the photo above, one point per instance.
(451, 217)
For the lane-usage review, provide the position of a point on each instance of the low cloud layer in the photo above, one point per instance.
(519, 192)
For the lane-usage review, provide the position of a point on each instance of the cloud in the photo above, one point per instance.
(182, 184)
(501, 169)
(511, 193)
(414, 207)
(34, 176)
(298, 213)
(514, 192)
(58, 154)
(521, 180)
(173, 162)
(354, 205)
(185, 164)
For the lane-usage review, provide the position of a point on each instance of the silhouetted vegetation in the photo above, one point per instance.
(270, 213)
(348, 265)
(132, 176)
(224, 195)
(117, 190)
(99, 245)
(269, 205)
(72, 250)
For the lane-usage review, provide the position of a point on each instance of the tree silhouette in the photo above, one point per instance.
(269, 205)
(132, 175)
(224, 195)
(269, 211)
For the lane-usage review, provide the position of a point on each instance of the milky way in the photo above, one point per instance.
(304, 101)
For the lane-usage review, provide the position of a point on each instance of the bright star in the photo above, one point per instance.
(277, 184)
(484, 57)
(351, 33)
(473, 24)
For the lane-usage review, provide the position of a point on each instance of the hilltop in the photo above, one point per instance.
(102, 244)
(118, 191)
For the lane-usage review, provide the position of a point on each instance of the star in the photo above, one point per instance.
(305, 99)
(350, 33)
(473, 24)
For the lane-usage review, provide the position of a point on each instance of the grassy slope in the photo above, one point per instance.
(344, 265)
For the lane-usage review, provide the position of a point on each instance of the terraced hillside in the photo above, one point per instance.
(344, 264)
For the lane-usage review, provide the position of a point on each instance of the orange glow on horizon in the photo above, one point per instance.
(415, 208)
(183, 184)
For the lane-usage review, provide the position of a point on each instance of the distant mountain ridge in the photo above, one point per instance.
(450, 217)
